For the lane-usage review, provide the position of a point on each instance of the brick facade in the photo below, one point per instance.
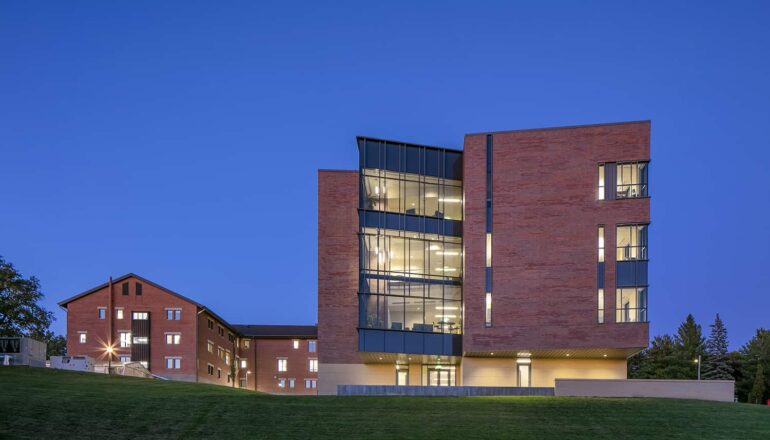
(544, 251)
(338, 266)
(197, 328)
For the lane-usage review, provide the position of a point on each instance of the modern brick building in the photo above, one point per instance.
(179, 339)
(516, 261)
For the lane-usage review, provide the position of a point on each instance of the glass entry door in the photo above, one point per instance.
(438, 378)
(523, 376)
(402, 377)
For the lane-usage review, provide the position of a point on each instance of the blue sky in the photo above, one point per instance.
(180, 140)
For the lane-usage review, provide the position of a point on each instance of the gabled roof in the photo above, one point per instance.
(277, 331)
(146, 281)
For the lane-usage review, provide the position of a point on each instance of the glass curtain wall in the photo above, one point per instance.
(410, 280)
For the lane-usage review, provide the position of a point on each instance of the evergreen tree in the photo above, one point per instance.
(717, 364)
(660, 361)
(758, 389)
(753, 355)
(689, 344)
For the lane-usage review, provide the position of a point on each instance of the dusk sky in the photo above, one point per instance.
(181, 140)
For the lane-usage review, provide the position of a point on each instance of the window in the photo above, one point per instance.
(173, 338)
(243, 364)
(210, 347)
(311, 383)
(601, 181)
(488, 310)
(138, 289)
(295, 344)
(632, 179)
(291, 383)
(412, 194)
(125, 339)
(230, 337)
(140, 316)
(102, 312)
(313, 365)
(631, 242)
(489, 250)
(227, 358)
(282, 364)
(600, 317)
(140, 340)
(82, 336)
(210, 369)
(119, 313)
(601, 243)
(210, 324)
(245, 343)
(220, 352)
(125, 289)
(221, 330)
(413, 255)
(173, 363)
(125, 359)
(631, 304)
(219, 373)
(281, 383)
(173, 314)
(311, 346)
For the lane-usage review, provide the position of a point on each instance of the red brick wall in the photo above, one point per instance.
(298, 365)
(338, 266)
(545, 217)
(204, 357)
(82, 316)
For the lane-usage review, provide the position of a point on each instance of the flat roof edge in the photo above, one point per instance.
(564, 127)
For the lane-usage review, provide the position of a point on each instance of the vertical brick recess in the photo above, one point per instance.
(544, 252)
(338, 266)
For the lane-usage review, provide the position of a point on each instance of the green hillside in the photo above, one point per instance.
(40, 403)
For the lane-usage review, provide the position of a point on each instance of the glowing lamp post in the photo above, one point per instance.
(697, 361)
(109, 359)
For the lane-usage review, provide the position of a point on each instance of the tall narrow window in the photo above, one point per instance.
(138, 289)
(489, 249)
(488, 272)
(125, 289)
(600, 317)
(311, 346)
(601, 182)
(102, 312)
(601, 244)
(282, 364)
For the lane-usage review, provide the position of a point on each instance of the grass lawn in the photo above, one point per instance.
(44, 403)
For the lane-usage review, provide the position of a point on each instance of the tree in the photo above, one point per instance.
(758, 389)
(753, 355)
(660, 361)
(20, 313)
(717, 365)
(689, 345)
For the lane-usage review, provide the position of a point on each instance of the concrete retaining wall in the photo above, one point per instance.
(718, 390)
(392, 390)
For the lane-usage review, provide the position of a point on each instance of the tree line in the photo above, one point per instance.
(677, 356)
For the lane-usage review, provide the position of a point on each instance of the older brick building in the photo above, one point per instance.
(521, 259)
(179, 339)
